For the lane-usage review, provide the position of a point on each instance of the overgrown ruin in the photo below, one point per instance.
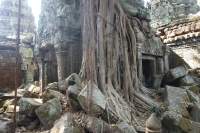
(99, 66)
(8, 41)
(178, 28)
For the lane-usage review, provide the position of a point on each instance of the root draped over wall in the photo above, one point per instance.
(109, 47)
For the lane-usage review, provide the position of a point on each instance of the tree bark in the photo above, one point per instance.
(109, 47)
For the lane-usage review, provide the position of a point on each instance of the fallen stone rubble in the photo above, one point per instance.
(179, 76)
(182, 114)
(84, 108)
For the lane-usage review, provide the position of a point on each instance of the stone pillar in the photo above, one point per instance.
(41, 68)
(26, 53)
(161, 66)
(67, 38)
(60, 64)
(140, 71)
(59, 46)
(166, 59)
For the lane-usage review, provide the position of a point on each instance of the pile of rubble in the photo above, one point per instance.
(182, 102)
(178, 77)
(71, 107)
(82, 109)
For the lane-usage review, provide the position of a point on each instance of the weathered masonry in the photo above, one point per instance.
(8, 65)
(60, 39)
(183, 36)
(153, 62)
(8, 31)
(63, 42)
(178, 28)
(8, 18)
(152, 55)
(164, 12)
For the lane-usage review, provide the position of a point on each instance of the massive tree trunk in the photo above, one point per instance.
(109, 47)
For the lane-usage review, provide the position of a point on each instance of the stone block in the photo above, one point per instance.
(178, 72)
(174, 122)
(52, 86)
(187, 80)
(6, 126)
(51, 94)
(71, 80)
(49, 112)
(92, 100)
(66, 125)
(175, 74)
(28, 105)
(177, 98)
(73, 93)
(32, 91)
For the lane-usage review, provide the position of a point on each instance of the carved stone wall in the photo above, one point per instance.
(8, 18)
(60, 25)
(164, 11)
(8, 65)
(183, 36)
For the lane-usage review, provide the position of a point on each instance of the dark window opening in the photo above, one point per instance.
(148, 72)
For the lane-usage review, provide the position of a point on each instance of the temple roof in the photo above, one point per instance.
(180, 30)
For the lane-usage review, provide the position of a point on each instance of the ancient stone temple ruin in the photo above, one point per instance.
(164, 11)
(178, 28)
(8, 56)
(8, 32)
(183, 37)
(152, 57)
(97, 66)
(60, 37)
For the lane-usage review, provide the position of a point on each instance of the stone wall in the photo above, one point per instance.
(46, 22)
(183, 36)
(7, 66)
(60, 26)
(8, 18)
(152, 55)
(178, 29)
(164, 11)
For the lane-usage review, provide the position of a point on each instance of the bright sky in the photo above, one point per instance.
(146, 1)
(36, 8)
